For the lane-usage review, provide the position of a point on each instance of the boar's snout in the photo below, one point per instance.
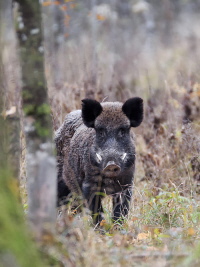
(111, 169)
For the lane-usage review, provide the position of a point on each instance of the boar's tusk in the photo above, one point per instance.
(124, 155)
(99, 157)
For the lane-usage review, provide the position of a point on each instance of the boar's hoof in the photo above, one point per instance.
(111, 169)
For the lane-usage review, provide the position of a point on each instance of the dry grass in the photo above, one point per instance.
(163, 225)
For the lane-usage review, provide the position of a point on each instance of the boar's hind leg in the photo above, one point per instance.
(121, 202)
(63, 192)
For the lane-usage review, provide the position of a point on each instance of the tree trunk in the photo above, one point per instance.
(16, 246)
(41, 165)
(53, 32)
(11, 75)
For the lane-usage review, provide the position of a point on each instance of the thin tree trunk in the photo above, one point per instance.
(41, 164)
(53, 32)
(90, 84)
(17, 248)
(11, 74)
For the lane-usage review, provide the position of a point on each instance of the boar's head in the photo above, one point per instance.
(113, 151)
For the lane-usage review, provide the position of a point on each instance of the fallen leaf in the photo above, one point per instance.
(100, 17)
(135, 219)
(191, 231)
(47, 3)
(74, 212)
(103, 222)
(143, 236)
(153, 230)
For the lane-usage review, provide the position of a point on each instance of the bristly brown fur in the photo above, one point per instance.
(87, 142)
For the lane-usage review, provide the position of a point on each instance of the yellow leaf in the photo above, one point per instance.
(152, 230)
(157, 231)
(191, 231)
(103, 222)
(47, 3)
(74, 212)
(100, 17)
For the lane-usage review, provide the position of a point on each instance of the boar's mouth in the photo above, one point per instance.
(111, 169)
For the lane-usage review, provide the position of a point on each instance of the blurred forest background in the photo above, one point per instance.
(52, 55)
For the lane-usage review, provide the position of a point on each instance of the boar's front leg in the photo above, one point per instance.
(93, 195)
(96, 208)
(121, 202)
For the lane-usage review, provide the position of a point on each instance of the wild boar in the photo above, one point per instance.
(96, 154)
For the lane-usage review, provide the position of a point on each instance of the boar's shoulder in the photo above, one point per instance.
(71, 123)
(63, 138)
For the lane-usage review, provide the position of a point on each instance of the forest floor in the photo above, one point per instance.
(162, 228)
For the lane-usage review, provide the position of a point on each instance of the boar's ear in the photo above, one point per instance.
(133, 108)
(91, 109)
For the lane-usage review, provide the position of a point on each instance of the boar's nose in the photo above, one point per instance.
(111, 169)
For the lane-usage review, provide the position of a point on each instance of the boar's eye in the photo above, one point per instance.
(122, 132)
(101, 132)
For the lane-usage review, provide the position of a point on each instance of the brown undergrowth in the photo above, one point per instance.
(163, 224)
